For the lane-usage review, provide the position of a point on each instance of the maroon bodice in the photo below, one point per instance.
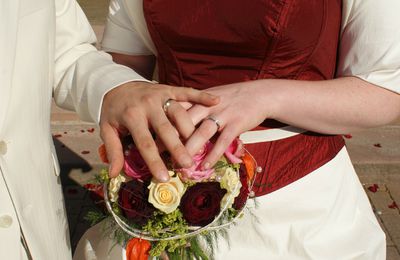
(204, 43)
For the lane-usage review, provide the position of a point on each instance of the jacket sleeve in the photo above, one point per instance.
(82, 74)
(121, 34)
(369, 44)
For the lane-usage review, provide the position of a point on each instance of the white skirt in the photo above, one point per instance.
(324, 215)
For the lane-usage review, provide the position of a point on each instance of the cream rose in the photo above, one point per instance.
(231, 183)
(166, 196)
(229, 180)
(114, 186)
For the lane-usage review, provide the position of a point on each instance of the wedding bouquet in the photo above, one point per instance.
(180, 219)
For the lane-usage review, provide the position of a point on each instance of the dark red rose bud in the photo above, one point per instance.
(201, 203)
(133, 201)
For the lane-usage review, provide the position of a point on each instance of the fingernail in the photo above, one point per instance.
(187, 162)
(163, 176)
(206, 166)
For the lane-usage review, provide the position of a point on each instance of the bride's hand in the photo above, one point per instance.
(136, 107)
(239, 110)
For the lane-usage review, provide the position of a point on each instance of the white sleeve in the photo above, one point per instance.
(82, 74)
(120, 36)
(370, 42)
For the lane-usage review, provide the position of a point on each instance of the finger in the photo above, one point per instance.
(113, 148)
(169, 137)
(181, 119)
(186, 105)
(203, 133)
(198, 113)
(160, 146)
(223, 141)
(195, 96)
(144, 142)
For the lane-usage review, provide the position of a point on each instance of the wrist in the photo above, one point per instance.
(269, 96)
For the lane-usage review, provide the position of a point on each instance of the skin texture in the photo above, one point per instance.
(137, 107)
(337, 106)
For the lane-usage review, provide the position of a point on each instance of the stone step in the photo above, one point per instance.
(375, 153)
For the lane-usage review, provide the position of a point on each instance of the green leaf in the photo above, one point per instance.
(94, 216)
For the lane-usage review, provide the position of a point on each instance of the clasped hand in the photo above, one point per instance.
(137, 107)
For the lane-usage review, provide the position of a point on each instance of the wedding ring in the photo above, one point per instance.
(215, 120)
(166, 105)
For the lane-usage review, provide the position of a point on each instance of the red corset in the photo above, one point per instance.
(205, 43)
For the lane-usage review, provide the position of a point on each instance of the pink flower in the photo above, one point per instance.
(134, 165)
(195, 173)
(234, 151)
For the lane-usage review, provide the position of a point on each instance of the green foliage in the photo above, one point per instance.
(196, 249)
(121, 237)
(221, 164)
(103, 176)
(94, 217)
(157, 225)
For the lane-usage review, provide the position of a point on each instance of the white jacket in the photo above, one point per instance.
(45, 49)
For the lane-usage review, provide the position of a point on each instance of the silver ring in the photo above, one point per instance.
(215, 120)
(166, 105)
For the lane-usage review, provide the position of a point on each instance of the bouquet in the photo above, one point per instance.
(182, 218)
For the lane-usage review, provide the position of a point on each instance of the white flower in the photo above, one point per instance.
(231, 183)
(230, 180)
(166, 196)
(114, 186)
(229, 198)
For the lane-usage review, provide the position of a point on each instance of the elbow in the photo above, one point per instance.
(389, 110)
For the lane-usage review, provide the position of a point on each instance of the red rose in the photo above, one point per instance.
(241, 199)
(134, 165)
(201, 203)
(133, 202)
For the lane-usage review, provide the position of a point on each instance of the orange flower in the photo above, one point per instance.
(249, 164)
(137, 249)
(103, 153)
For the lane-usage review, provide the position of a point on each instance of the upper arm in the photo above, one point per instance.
(369, 44)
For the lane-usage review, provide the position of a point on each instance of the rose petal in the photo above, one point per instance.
(373, 188)
(232, 158)
(234, 150)
(393, 205)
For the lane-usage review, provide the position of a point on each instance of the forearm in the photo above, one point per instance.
(82, 74)
(333, 106)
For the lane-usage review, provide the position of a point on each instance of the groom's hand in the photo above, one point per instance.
(136, 107)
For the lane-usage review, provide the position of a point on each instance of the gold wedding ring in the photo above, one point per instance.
(166, 105)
